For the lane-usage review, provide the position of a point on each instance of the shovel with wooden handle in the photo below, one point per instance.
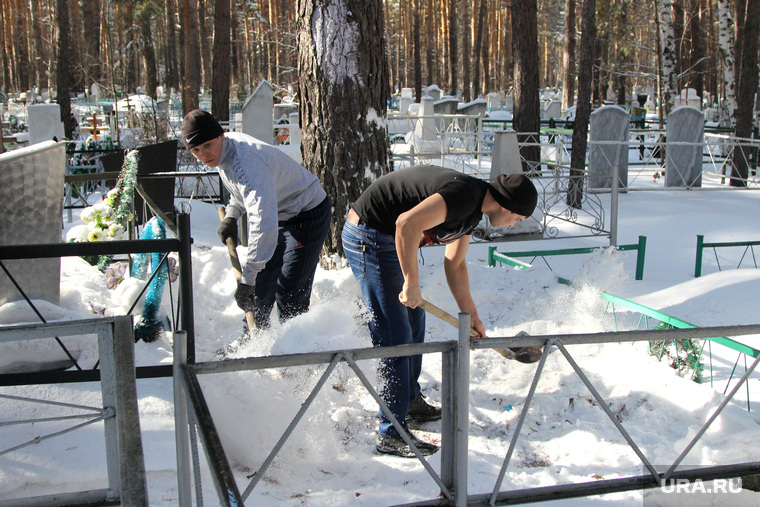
(235, 261)
(525, 355)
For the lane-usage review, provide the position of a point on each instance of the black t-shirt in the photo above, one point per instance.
(395, 193)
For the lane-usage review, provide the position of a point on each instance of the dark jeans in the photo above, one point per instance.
(288, 276)
(374, 262)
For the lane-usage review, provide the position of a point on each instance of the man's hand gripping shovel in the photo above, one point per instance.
(235, 261)
(521, 354)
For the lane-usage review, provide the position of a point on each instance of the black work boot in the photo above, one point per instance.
(396, 446)
(421, 411)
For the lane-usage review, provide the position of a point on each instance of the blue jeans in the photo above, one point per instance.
(374, 262)
(288, 276)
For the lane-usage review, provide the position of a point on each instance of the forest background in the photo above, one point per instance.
(343, 59)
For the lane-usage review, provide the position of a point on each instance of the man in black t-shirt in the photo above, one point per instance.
(388, 223)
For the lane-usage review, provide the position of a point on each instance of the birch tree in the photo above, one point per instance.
(726, 58)
(344, 87)
(669, 59)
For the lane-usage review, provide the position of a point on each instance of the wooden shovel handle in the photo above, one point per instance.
(450, 319)
(236, 269)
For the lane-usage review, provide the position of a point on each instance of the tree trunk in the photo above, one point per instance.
(466, 48)
(698, 50)
(568, 60)
(343, 86)
(431, 47)
(63, 72)
(148, 52)
(91, 53)
(748, 33)
(6, 75)
(192, 81)
(527, 109)
(220, 98)
(170, 58)
(669, 58)
(453, 51)
(726, 53)
(417, 50)
(477, 52)
(583, 109)
(39, 54)
(205, 47)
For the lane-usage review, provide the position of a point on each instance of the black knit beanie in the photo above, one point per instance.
(199, 126)
(515, 192)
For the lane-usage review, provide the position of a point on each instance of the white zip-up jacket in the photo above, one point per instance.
(267, 186)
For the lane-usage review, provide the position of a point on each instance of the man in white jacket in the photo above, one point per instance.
(287, 211)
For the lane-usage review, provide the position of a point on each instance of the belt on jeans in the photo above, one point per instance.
(353, 217)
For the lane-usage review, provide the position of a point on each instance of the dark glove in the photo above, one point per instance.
(227, 229)
(244, 297)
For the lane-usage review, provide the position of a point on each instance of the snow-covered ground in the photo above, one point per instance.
(330, 459)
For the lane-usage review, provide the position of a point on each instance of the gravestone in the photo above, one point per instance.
(295, 129)
(505, 155)
(683, 166)
(688, 97)
(446, 105)
(608, 124)
(258, 112)
(474, 107)
(44, 123)
(509, 102)
(552, 110)
(432, 91)
(425, 138)
(95, 93)
(405, 100)
(31, 209)
(284, 109)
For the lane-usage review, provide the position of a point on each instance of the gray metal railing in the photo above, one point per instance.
(123, 442)
(455, 421)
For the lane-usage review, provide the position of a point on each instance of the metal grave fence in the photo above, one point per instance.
(193, 416)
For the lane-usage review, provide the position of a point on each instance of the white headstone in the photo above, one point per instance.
(405, 100)
(608, 123)
(425, 139)
(432, 91)
(295, 129)
(683, 166)
(505, 156)
(257, 113)
(553, 110)
(95, 92)
(44, 123)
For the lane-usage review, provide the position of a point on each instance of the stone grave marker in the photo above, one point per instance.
(683, 165)
(505, 155)
(425, 139)
(608, 123)
(44, 123)
(258, 112)
(405, 100)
